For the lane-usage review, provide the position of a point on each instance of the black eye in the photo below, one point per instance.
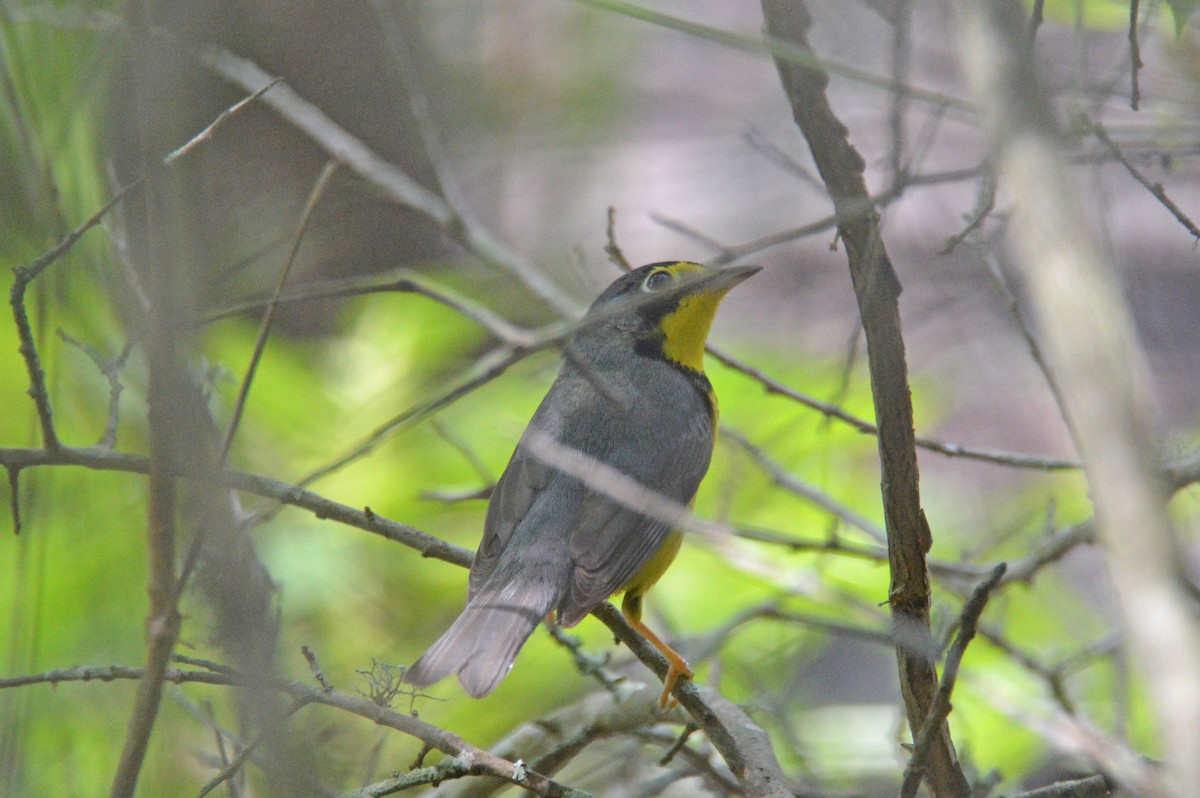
(657, 281)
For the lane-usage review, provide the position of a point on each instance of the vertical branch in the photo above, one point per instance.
(968, 624)
(1090, 343)
(162, 625)
(1135, 56)
(901, 56)
(877, 290)
(154, 259)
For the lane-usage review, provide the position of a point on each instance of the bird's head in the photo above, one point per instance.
(664, 309)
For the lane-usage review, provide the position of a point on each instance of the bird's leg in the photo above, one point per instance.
(631, 606)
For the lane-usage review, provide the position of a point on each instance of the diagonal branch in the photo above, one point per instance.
(949, 449)
(385, 177)
(743, 745)
(923, 740)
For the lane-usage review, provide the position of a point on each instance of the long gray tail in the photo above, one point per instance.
(481, 645)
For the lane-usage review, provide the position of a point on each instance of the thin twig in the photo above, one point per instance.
(1052, 676)
(901, 58)
(315, 667)
(940, 708)
(985, 202)
(781, 50)
(724, 255)
(1155, 189)
(611, 248)
(268, 319)
(1000, 280)
(406, 282)
(235, 764)
(1135, 56)
(385, 177)
(587, 664)
(110, 367)
(22, 277)
(470, 455)
(790, 483)
(1050, 549)
(774, 154)
(225, 116)
(688, 730)
(997, 457)
(480, 762)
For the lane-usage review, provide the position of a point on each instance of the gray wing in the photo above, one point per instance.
(668, 453)
(523, 480)
(609, 542)
(515, 492)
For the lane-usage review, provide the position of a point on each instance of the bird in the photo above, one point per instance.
(632, 400)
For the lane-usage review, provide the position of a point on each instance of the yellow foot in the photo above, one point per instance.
(679, 669)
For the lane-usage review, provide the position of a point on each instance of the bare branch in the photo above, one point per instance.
(611, 248)
(383, 176)
(22, 277)
(225, 116)
(940, 709)
(268, 319)
(1155, 189)
(744, 746)
(478, 762)
(287, 493)
(1135, 56)
(997, 457)
(877, 290)
(110, 367)
(1090, 787)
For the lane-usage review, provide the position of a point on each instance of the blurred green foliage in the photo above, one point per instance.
(72, 590)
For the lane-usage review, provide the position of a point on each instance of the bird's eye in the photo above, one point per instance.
(658, 281)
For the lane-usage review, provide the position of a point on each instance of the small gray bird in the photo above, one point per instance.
(631, 397)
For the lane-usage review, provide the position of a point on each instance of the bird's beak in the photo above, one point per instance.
(720, 281)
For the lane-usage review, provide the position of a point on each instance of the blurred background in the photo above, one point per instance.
(528, 120)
